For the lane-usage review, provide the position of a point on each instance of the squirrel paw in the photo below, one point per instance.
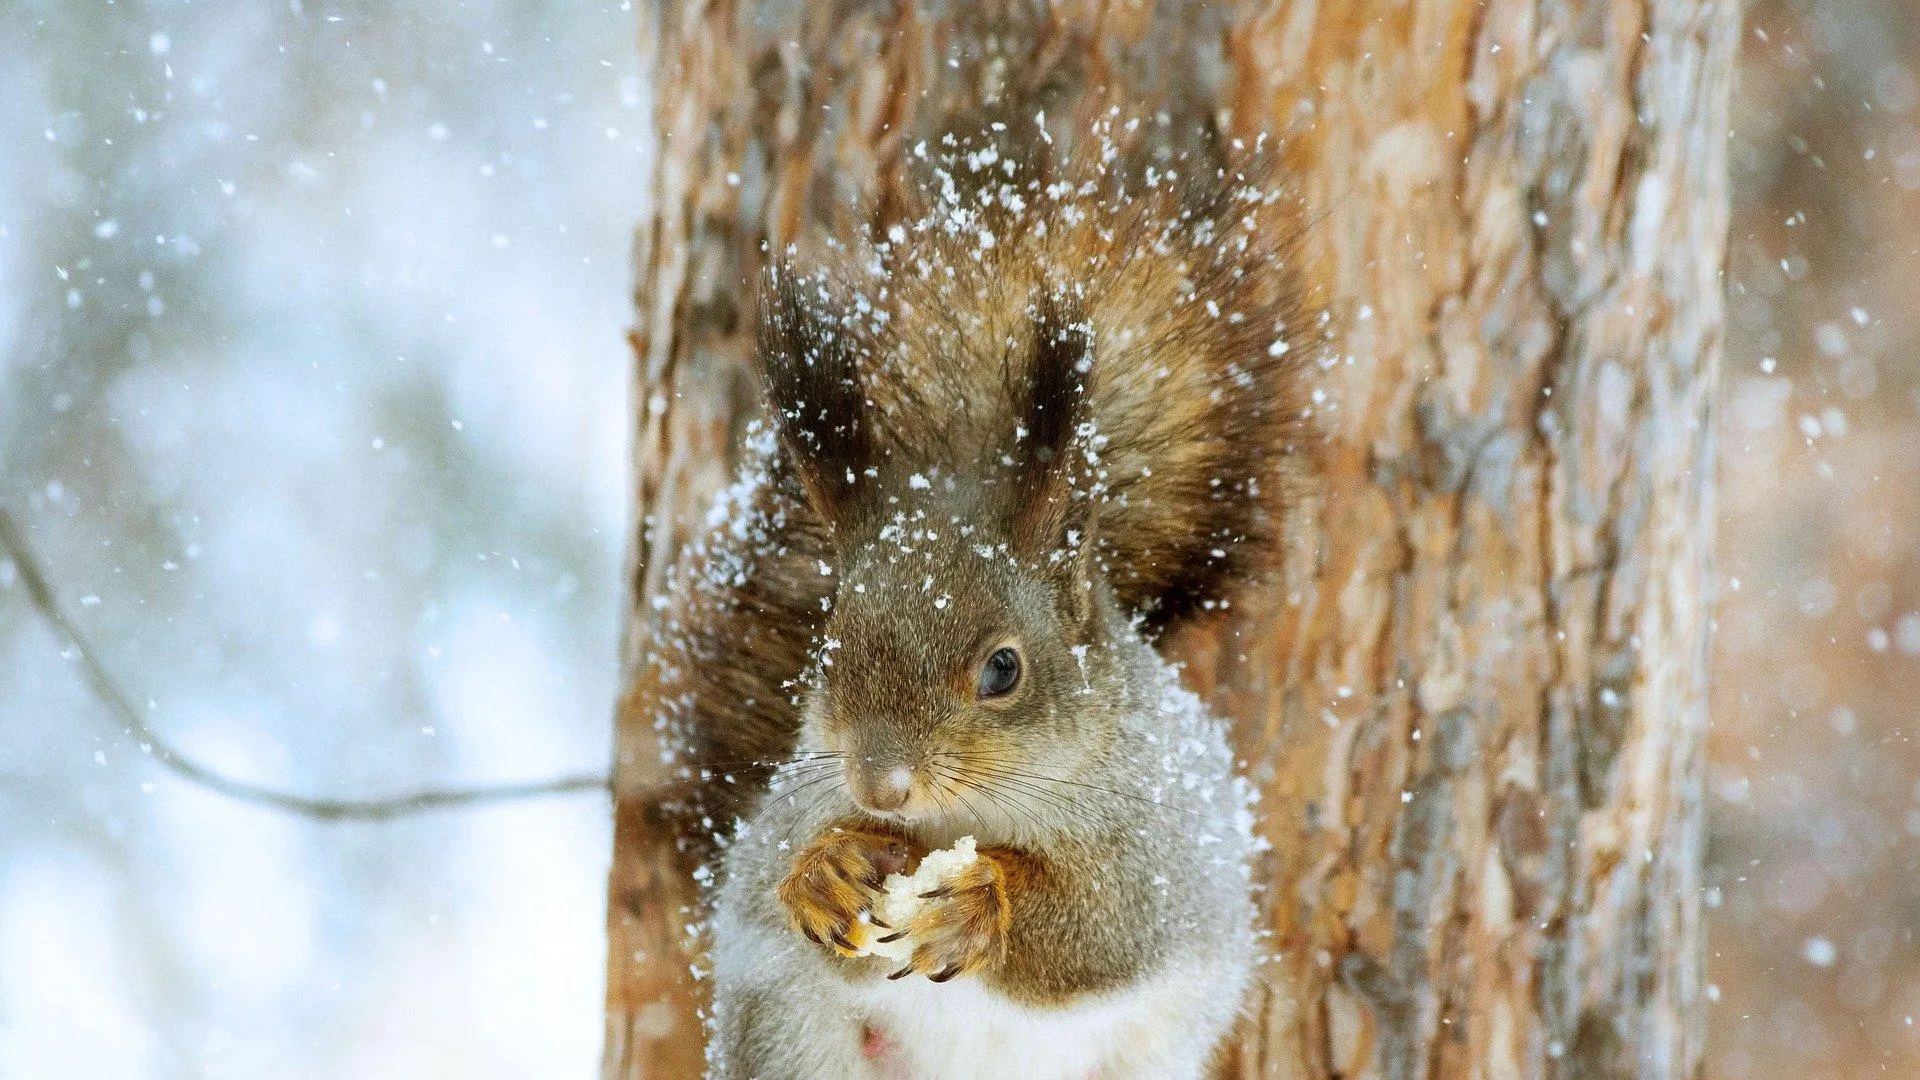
(963, 926)
(834, 880)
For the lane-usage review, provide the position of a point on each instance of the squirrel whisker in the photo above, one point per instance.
(1007, 771)
(1019, 791)
(772, 766)
(1070, 808)
(1051, 801)
(961, 774)
(1007, 796)
(734, 775)
(767, 763)
(1009, 805)
(964, 801)
(938, 800)
(826, 777)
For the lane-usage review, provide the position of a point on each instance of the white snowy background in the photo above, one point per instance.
(313, 399)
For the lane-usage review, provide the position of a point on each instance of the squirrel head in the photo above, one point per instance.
(968, 641)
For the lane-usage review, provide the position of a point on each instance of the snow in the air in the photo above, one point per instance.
(314, 400)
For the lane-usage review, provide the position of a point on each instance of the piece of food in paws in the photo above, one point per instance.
(900, 900)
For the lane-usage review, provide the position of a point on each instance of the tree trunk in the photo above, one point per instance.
(1474, 701)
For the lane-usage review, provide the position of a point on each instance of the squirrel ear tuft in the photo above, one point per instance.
(1051, 405)
(814, 393)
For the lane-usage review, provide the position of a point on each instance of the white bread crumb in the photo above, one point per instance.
(899, 900)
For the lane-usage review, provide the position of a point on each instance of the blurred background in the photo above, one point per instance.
(1814, 790)
(313, 400)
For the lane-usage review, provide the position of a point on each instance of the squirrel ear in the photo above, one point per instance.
(1049, 516)
(814, 394)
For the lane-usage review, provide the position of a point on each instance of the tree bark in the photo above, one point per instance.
(1475, 699)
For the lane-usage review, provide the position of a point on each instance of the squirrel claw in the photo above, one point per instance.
(902, 973)
(891, 938)
(964, 928)
(829, 887)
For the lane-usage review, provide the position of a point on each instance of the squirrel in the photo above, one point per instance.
(1009, 446)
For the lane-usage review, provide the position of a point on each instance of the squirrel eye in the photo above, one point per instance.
(1000, 674)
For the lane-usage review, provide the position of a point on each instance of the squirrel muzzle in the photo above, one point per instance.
(881, 784)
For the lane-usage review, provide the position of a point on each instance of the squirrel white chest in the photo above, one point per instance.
(966, 1031)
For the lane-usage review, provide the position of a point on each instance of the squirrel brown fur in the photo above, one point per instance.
(1010, 445)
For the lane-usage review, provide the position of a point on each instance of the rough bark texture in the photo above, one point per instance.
(1475, 700)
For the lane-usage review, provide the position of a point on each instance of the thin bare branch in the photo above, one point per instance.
(40, 592)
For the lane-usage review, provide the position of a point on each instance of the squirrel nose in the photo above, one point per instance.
(883, 788)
